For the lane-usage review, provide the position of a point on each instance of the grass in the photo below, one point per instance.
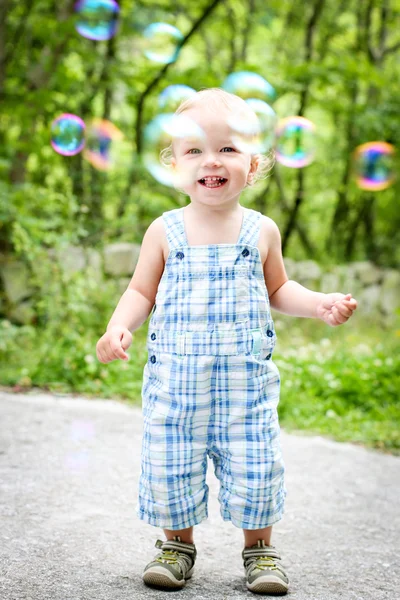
(339, 382)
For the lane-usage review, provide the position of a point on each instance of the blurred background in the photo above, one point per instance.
(81, 85)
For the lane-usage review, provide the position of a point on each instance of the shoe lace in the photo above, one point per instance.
(262, 563)
(173, 557)
(265, 562)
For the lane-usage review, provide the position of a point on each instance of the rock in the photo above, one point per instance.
(121, 258)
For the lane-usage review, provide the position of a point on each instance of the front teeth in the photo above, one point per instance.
(212, 180)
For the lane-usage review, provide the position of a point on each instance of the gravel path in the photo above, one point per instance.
(68, 473)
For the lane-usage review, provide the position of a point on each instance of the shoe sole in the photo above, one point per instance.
(159, 577)
(264, 585)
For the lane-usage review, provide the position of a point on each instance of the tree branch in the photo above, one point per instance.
(391, 49)
(18, 35)
(310, 250)
(163, 71)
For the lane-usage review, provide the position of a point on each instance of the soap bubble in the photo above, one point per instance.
(295, 142)
(101, 149)
(158, 136)
(173, 95)
(246, 84)
(254, 133)
(68, 134)
(97, 19)
(374, 165)
(161, 42)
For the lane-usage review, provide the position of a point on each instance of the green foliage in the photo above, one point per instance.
(59, 354)
(342, 383)
(345, 389)
(340, 66)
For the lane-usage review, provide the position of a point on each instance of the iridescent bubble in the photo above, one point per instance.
(161, 42)
(77, 461)
(159, 134)
(374, 165)
(68, 134)
(97, 19)
(81, 430)
(249, 85)
(254, 132)
(102, 144)
(295, 142)
(173, 95)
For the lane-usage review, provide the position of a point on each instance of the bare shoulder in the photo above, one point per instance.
(150, 265)
(274, 269)
(269, 236)
(158, 231)
(269, 226)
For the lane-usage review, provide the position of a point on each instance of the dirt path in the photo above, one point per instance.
(68, 473)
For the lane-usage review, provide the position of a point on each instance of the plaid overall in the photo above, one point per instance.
(210, 388)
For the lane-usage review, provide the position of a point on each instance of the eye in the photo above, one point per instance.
(228, 149)
(194, 151)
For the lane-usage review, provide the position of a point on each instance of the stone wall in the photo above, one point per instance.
(377, 290)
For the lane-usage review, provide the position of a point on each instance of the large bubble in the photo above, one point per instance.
(68, 134)
(254, 132)
(97, 19)
(374, 165)
(173, 95)
(102, 144)
(159, 134)
(295, 142)
(246, 84)
(162, 42)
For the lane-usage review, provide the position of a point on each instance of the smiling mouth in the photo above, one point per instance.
(212, 182)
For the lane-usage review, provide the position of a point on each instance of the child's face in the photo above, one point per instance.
(218, 169)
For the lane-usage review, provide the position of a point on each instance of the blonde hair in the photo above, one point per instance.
(213, 98)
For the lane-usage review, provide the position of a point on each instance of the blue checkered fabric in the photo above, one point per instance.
(210, 386)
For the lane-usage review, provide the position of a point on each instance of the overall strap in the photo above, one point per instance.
(174, 228)
(251, 227)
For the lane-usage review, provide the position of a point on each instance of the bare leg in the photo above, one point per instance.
(186, 535)
(251, 536)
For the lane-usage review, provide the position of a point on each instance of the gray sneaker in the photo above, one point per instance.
(263, 569)
(172, 566)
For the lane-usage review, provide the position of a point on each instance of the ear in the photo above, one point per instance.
(255, 161)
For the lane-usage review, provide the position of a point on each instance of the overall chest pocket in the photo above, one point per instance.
(205, 290)
(220, 294)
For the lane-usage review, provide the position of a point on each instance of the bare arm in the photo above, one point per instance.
(137, 301)
(286, 296)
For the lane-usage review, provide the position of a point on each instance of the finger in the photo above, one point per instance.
(353, 304)
(344, 310)
(100, 355)
(332, 321)
(350, 305)
(126, 340)
(338, 316)
(103, 358)
(117, 351)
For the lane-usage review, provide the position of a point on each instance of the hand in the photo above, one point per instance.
(113, 343)
(335, 309)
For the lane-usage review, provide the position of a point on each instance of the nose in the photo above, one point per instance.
(211, 160)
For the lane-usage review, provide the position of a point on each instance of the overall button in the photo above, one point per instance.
(180, 255)
(245, 252)
(153, 359)
(153, 336)
(268, 356)
(270, 333)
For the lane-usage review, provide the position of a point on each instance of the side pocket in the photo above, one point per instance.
(263, 343)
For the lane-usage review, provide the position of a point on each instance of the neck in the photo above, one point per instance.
(217, 212)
